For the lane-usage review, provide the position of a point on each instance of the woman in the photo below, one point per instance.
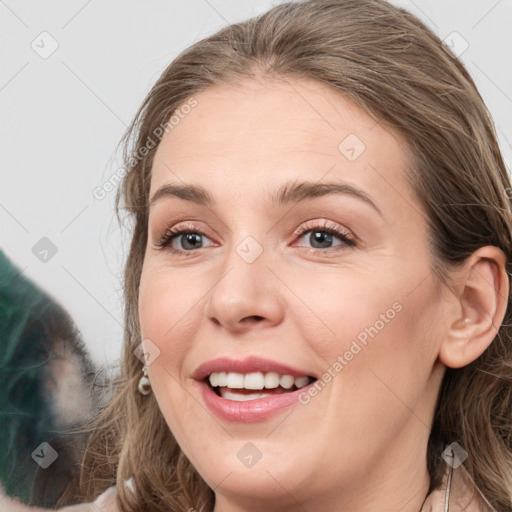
(370, 373)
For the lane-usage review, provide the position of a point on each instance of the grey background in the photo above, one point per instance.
(62, 117)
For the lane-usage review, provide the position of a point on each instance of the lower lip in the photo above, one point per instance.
(250, 410)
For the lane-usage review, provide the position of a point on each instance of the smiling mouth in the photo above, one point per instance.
(251, 386)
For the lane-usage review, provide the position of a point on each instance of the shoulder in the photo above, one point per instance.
(107, 501)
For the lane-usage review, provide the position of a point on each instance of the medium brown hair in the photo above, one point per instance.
(388, 62)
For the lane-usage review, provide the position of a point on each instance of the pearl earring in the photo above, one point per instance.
(144, 383)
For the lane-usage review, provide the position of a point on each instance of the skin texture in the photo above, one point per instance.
(360, 444)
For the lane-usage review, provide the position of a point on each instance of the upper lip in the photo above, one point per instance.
(247, 365)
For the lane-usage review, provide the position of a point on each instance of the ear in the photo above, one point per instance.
(481, 300)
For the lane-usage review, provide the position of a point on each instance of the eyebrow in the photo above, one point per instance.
(292, 192)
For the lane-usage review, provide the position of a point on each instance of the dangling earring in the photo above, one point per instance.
(144, 383)
(448, 489)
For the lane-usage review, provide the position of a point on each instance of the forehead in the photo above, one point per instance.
(248, 138)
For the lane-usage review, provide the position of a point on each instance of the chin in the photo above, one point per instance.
(262, 481)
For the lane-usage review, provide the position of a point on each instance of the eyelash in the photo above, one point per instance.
(165, 241)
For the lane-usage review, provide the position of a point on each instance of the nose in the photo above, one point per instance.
(246, 295)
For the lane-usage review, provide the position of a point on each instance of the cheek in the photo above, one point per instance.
(334, 309)
(168, 314)
(163, 317)
(167, 303)
(388, 363)
(376, 325)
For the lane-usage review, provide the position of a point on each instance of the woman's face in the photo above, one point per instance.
(249, 298)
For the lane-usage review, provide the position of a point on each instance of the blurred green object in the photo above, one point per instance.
(35, 331)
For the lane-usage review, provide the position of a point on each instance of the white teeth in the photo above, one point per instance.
(271, 380)
(218, 379)
(237, 397)
(300, 382)
(286, 381)
(235, 380)
(256, 381)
